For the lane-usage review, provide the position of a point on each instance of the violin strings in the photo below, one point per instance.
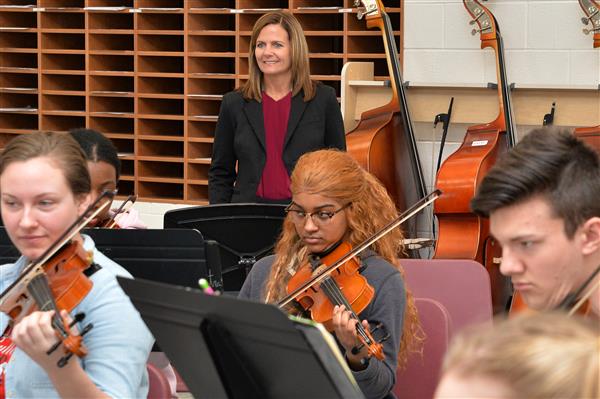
(40, 291)
(337, 297)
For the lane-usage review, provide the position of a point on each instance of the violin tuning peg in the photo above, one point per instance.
(360, 13)
(585, 20)
(474, 32)
(64, 360)
(356, 3)
(86, 329)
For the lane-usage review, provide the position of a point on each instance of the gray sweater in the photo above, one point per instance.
(387, 307)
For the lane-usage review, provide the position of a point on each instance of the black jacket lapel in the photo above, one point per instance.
(254, 114)
(297, 109)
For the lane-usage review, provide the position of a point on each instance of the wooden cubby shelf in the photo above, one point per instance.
(151, 74)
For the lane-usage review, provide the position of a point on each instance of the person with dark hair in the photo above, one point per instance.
(274, 118)
(334, 200)
(105, 170)
(543, 202)
(45, 188)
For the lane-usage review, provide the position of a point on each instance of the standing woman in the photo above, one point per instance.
(278, 115)
(335, 200)
(45, 188)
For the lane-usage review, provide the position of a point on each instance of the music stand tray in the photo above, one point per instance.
(229, 348)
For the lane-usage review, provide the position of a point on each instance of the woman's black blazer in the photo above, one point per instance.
(240, 138)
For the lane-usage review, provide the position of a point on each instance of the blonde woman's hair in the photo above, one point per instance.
(252, 89)
(545, 355)
(336, 175)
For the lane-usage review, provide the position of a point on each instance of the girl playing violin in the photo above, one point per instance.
(334, 200)
(105, 169)
(45, 187)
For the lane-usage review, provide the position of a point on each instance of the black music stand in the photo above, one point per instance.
(8, 252)
(244, 233)
(173, 256)
(229, 348)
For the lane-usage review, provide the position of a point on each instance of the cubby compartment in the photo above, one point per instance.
(151, 21)
(18, 81)
(199, 151)
(107, 41)
(262, 4)
(321, 22)
(19, 61)
(18, 19)
(367, 45)
(380, 67)
(326, 66)
(210, 86)
(154, 85)
(111, 84)
(109, 125)
(111, 3)
(10, 40)
(126, 187)
(201, 130)
(198, 171)
(160, 127)
(17, 122)
(197, 193)
(63, 62)
(211, 44)
(116, 105)
(160, 106)
(110, 21)
(156, 148)
(246, 21)
(63, 82)
(59, 20)
(219, 22)
(61, 123)
(68, 103)
(160, 43)
(57, 4)
(160, 191)
(160, 3)
(301, 4)
(113, 63)
(211, 65)
(325, 44)
(203, 108)
(160, 169)
(163, 64)
(209, 4)
(125, 147)
(18, 101)
(63, 41)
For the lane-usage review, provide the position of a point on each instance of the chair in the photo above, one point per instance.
(461, 286)
(421, 375)
(159, 387)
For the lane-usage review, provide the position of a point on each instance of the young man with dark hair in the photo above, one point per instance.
(543, 202)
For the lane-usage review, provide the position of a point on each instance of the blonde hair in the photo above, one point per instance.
(252, 89)
(61, 148)
(336, 175)
(545, 355)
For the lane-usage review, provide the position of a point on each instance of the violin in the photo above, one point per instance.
(462, 234)
(384, 142)
(335, 280)
(111, 222)
(56, 281)
(591, 8)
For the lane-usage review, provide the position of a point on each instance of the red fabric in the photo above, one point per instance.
(7, 347)
(275, 181)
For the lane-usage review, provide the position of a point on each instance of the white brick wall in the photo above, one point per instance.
(544, 45)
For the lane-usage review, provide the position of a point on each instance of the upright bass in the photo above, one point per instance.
(462, 234)
(384, 141)
(591, 135)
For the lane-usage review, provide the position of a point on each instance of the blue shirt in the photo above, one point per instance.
(118, 344)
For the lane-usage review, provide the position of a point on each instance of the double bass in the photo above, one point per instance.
(384, 142)
(462, 234)
(591, 8)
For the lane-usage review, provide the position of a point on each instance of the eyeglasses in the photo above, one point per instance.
(319, 218)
